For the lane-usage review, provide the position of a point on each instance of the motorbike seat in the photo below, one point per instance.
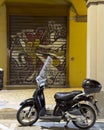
(63, 96)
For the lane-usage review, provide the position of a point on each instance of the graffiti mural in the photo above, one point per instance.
(29, 49)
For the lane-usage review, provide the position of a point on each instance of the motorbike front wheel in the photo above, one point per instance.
(27, 115)
(88, 117)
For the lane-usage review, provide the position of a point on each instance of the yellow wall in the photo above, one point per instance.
(3, 41)
(77, 52)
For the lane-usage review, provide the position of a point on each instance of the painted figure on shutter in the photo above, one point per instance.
(29, 49)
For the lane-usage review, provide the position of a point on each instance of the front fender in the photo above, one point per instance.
(29, 101)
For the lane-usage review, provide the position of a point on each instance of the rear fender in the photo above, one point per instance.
(93, 103)
(89, 100)
(83, 97)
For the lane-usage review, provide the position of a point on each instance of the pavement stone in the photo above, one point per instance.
(41, 125)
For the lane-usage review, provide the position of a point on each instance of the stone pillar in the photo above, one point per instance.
(95, 46)
(95, 40)
(92, 42)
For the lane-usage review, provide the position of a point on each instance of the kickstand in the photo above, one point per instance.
(66, 125)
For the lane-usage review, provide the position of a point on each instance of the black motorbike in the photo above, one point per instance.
(77, 106)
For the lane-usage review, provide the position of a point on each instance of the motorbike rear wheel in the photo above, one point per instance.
(27, 115)
(89, 117)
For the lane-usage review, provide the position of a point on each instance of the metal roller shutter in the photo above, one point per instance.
(32, 39)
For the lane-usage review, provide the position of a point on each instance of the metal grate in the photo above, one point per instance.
(31, 40)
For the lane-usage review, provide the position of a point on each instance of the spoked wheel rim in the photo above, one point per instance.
(27, 115)
(87, 119)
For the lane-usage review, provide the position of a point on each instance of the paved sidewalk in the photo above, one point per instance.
(9, 104)
(10, 99)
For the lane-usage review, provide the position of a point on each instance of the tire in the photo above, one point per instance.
(90, 119)
(23, 113)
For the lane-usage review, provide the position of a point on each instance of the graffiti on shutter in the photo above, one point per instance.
(32, 39)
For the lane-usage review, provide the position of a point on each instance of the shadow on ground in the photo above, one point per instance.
(60, 126)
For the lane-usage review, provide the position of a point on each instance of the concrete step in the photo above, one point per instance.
(8, 113)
